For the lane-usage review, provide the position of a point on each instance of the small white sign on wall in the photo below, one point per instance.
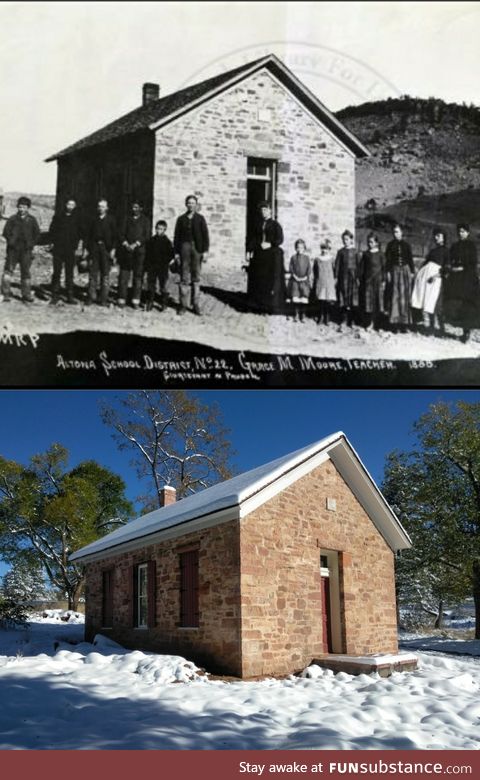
(264, 115)
(332, 504)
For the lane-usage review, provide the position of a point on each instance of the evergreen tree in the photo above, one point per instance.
(25, 582)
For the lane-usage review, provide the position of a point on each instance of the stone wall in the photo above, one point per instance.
(206, 153)
(260, 589)
(216, 642)
(280, 582)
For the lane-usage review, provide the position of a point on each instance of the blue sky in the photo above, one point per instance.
(264, 424)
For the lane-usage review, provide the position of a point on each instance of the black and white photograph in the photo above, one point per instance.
(239, 194)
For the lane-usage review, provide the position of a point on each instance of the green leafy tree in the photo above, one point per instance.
(174, 440)
(48, 511)
(436, 489)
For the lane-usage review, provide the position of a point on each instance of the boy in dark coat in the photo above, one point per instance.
(22, 232)
(136, 233)
(66, 233)
(159, 255)
(102, 240)
(191, 244)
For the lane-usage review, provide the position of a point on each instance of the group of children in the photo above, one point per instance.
(372, 289)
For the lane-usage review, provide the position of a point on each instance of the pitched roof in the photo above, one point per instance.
(163, 110)
(240, 495)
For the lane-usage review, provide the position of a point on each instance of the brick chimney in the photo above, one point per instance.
(150, 92)
(168, 495)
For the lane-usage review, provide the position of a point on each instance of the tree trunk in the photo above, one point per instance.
(439, 618)
(74, 596)
(476, 595)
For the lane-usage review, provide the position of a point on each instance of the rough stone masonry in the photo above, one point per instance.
(206, 152)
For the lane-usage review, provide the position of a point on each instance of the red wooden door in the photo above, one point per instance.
(326, 616)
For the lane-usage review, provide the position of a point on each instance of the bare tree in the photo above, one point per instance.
(174, 439)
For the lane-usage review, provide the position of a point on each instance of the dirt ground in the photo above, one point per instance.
(226, 322)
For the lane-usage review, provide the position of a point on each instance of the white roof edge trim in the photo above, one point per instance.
(174, 532)
(244, 500)
(369, 495)
(287, 464)
(274, 488)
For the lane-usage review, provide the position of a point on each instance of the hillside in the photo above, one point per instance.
(417, 147)
(424, 167)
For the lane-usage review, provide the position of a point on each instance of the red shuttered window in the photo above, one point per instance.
(107, 598)
(189, 589)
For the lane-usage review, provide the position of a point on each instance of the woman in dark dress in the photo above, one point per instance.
(372, 283)
(400, 273)
(266, 276)
(461, 289)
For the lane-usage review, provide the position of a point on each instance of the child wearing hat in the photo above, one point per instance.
(21, 232)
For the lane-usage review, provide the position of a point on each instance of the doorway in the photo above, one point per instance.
(330, 602)
(261, 185)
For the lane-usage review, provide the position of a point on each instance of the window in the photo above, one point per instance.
(189, 609)
(261, 186)
(142, 596)
(107, 598)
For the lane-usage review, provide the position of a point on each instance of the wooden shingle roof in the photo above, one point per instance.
(161, 111)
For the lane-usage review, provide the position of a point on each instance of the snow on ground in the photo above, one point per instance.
(59, 695)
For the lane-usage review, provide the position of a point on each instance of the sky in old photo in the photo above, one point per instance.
(68, 68)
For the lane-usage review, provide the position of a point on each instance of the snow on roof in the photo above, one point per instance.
(227, 495)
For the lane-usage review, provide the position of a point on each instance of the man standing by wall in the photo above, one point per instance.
(65, 234)
(135, 235)
(22, 232)
(191, 244)
(102, 241)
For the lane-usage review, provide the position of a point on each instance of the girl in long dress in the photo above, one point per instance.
(372, 283)
(461, 296)
(324, 281)
(427, 288)
(400, 272)
(300, 279)
(347, 281)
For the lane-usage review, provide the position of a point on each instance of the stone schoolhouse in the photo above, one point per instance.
(250, 134)
(256, 575)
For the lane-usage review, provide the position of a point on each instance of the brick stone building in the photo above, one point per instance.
(259, 574)
(253, 133)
